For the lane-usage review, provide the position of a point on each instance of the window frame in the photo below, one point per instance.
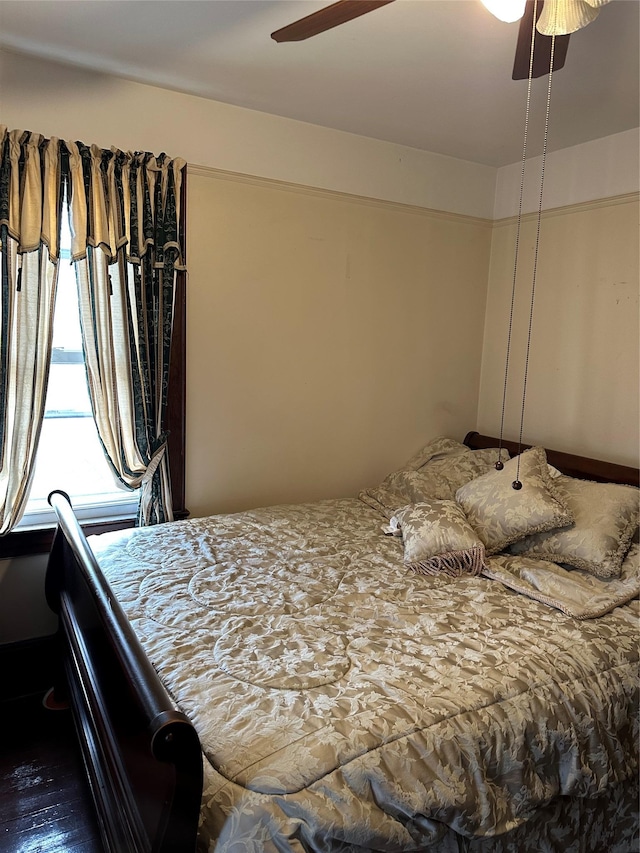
(39, 540)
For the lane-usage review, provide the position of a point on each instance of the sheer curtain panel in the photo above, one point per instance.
(31, 183)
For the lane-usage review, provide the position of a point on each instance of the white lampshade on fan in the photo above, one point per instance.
(558, 17)
(506, 10)
(561, 17)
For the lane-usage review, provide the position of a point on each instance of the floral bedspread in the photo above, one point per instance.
(344, 703)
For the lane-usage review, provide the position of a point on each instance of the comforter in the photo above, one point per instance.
(344, 703)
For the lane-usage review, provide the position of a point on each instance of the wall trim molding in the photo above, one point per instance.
(319, 192)
(385, 204)
(578, 207)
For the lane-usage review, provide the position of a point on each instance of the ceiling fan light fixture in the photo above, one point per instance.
(561, 17)
(506, 10)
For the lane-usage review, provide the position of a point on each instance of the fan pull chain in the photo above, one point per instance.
(499, 464)
(516, 483)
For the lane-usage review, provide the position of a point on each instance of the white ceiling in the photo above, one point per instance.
(431, 74)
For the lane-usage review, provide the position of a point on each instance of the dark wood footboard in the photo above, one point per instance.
(143, 757)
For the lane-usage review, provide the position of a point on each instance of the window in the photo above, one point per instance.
(70, 455)
(69, 409)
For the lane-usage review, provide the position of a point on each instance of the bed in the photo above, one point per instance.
(283, 679)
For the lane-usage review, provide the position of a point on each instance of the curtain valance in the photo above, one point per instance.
(118, 199)
(31, 180)
(130, 200)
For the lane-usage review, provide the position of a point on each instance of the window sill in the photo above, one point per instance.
(23, 543)
(38, 540)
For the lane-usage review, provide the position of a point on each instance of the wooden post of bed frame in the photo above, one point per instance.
(143, 757)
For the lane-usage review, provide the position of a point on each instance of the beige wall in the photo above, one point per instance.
(24, 612)
(329, 336)
(599, 169)
(74, 103)
(328, 339)
(583, 385)
(292, 394)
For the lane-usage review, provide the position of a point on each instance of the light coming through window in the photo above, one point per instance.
(70, 455)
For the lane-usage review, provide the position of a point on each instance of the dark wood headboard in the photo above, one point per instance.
(575, 466)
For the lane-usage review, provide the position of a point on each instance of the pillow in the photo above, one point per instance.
(501, 514)
(606, 517)
(436, 472)
(438, 539)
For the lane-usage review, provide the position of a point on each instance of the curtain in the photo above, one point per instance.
(125, 218)
(125, 224)
(31, 191)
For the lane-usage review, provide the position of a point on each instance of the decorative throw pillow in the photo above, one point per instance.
(436, 472)
(438, 539)
(606, 517)
(501, 514)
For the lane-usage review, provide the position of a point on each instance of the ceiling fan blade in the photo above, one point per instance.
(326, 19)
(541, 47)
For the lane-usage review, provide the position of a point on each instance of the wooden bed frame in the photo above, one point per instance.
(142, 757)
(575, 466)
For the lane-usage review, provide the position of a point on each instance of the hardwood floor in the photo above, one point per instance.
(45, 803)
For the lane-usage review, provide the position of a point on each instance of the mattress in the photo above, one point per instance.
(345, 703)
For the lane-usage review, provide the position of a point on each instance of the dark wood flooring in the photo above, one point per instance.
(45, 803)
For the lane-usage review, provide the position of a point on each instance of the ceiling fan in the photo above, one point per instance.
(578, 15)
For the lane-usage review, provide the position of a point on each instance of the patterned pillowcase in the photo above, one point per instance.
(501, 514)
(606, 518)
(436, 472)
(438, 539)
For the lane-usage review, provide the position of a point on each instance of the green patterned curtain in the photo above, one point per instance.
(125, 219)
(31, 192)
